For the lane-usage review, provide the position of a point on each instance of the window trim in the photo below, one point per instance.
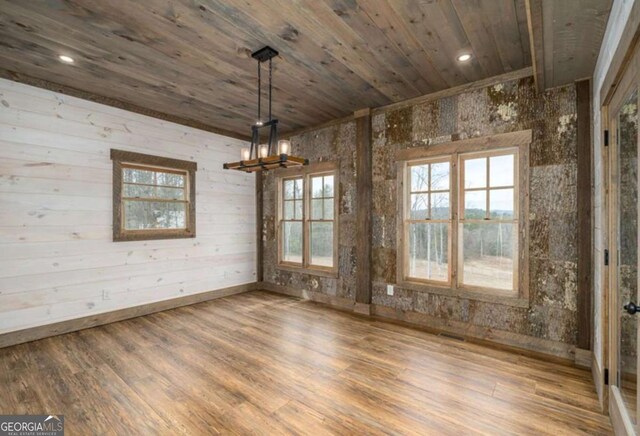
(124, 159)
(306, 173)
(518, 141)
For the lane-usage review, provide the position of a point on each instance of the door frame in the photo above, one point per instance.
(627, 84)
(622, 77)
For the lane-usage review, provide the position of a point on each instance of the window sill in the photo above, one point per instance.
(152, 235)
(311, 271)
(484, 295)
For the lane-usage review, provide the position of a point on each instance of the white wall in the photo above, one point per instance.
(617, 20)
(57, 259)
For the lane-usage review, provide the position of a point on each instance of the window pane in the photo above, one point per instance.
(170, 179)
(298, 188)
(501, 169)
(317, 187)
(316, 209)
(138, 176)
(141, 215)
(288, 210)
(501, 203)
(440, 176)
(328, 186)
(321, 244)
(420, 178)
(328, 209)
(292, 242)
(440, 206)
(288, 189)
(475, 204)
(139, 191)
(429, 251)
(419, 206)
(488, 255)
(170, 193)
(475, 173)
(297, 209)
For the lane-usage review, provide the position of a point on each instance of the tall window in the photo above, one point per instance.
(488, 240)
(307, 221)
(429, 220)
(153, 197)
(461, 227)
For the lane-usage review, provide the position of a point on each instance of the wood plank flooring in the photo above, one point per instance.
(261, 363)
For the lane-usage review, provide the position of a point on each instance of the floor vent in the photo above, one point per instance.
(452, 336)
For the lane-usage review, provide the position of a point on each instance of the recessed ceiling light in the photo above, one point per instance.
(464, 57)
(66, 59)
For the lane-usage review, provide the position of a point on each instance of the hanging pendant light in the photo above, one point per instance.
(274, 153)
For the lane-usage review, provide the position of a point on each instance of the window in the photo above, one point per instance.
(307, 219)
(488, 241)
(461, 226)
(429, 220)
(153, 197)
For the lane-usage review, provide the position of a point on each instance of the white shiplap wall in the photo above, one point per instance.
(57, 259)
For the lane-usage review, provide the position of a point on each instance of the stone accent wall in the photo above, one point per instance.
(506, 107)
(319, 146)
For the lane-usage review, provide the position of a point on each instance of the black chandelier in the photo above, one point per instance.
(273, 154)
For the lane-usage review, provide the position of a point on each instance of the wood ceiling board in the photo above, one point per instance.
(573, 32)
(192, 58)
(534, 24)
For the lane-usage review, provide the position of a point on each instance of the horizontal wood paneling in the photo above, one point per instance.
(57, 258)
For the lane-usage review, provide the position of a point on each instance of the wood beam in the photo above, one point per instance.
(536, 41)
(584, 188)
(364, 189)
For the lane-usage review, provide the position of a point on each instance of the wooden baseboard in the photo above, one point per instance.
(583, 358)
(362, 308)
(564, 353)
(333, 301)
(521, 344)
(59, 328)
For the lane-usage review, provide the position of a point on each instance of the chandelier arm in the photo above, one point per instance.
(270, 69)
(259, 90)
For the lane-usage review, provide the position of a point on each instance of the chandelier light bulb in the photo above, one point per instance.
(284, 146)
(245, 153)
(263, 151)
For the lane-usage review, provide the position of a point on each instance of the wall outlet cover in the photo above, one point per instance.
(389, 289)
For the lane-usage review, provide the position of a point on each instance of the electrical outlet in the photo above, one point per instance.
(389, 289)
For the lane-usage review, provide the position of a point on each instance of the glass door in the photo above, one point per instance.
(623, 269)
(626, 268)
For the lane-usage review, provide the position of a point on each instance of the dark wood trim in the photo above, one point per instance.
(72, 325)
(536, 41)
(584, 189)
(364, 188)
(120, 157)
(108, 101)
(467, 87)
(622, 55)
(259, 227)
(151, 160)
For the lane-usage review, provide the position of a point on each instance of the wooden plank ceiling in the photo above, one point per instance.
(191, 58)
(567, 36)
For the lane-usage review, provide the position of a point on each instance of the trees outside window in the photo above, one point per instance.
(307, 204)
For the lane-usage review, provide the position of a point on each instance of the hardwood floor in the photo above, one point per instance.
(270, 364)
